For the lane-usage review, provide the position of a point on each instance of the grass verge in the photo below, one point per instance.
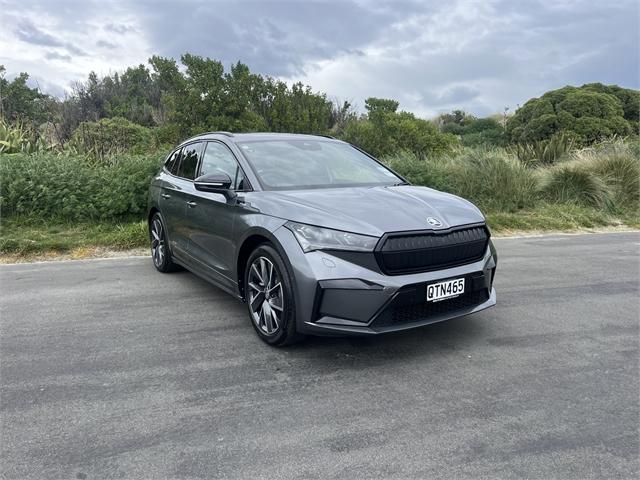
(25, 240)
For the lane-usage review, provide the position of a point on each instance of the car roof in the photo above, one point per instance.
(242, 137)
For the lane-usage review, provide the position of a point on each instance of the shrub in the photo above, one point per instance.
(545, 152)
(112, 135)
(385, 131)
(435, 172)
(17, 139)
(589, 113)
(71, 187)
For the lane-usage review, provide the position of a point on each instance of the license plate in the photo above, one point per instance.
(443, 290)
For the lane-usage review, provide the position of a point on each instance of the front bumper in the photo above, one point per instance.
(342, 294)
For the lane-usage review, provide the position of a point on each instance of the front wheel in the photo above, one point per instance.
(269, 296)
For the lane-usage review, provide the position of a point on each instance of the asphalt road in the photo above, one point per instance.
(111, 370)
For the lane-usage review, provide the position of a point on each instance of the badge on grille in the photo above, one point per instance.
(434, 222)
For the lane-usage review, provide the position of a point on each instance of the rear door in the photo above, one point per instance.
(212, 220)
(177, 196)
(169, 209)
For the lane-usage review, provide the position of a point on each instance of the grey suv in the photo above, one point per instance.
(317, 237)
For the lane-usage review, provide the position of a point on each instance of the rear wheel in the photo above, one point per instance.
(269, 296)
(160, 253)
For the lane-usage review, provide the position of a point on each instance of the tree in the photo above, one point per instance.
(456, 117)
(586, 114)
(21, 103)
(384, 130)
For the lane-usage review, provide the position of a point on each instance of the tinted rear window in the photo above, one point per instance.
(189, 163)
(173, 162)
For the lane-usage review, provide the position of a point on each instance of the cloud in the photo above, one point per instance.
(275, 38)
(119, 28)
(105, 44)
(455, 95)
(52, 55)
(29, 33)
(432, 56)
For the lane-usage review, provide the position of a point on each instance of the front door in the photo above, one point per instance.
(211, 221)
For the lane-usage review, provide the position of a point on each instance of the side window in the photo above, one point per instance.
(218, 158)
(173, 161)
(189, 163)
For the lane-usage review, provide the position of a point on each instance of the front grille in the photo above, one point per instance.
(425, 251)
(398, 314)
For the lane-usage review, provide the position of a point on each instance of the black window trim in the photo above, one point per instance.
(247, 188)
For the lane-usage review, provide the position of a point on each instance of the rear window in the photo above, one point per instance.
(173, 162)
(189, 163)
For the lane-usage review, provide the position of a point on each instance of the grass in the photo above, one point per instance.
(21, 238)
(555, 217)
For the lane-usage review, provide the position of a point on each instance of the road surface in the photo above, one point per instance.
(111, 370)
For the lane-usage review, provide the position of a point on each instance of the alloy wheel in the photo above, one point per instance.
(158, 248)
(266, 297)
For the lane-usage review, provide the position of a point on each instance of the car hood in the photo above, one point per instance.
(368, 210)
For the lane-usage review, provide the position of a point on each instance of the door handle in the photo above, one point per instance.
(165, 195)
(192, 204)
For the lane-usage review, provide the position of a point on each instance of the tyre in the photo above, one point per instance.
(269, 295)
(160, 253)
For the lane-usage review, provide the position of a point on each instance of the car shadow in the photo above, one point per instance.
(448, 337)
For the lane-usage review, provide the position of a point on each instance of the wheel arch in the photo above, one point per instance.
(152, 212)
(252, 240)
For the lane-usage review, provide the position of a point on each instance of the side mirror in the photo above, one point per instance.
(218, 182)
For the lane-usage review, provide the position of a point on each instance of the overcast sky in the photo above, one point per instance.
(432, 56)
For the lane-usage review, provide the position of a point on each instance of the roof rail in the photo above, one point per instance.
(326, 136)
(228, 134)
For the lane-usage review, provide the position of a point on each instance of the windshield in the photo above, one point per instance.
(299, 164)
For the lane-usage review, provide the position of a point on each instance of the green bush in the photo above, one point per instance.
(544, 152)
(113, 135)
(473, 132)
(385, 131)
(73, 188)
(589, 113)
(434, 172)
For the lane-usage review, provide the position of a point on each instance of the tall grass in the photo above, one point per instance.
(491, 178)
(605, 176)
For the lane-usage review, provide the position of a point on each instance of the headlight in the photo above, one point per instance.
(316, 238)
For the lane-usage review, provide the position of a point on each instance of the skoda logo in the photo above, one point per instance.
(434, 222)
